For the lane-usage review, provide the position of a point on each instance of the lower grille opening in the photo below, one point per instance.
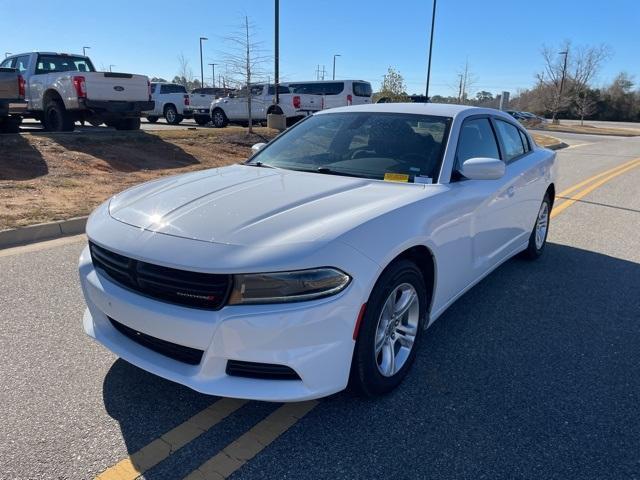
(174, 351)
(264, 371)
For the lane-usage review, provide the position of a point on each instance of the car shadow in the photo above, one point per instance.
(531, 374)
(125, 151)
(19, 159)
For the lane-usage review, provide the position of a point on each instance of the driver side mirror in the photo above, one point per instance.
(257, 147)
(482, 168)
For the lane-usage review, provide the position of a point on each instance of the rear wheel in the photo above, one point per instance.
(57, 118)
(152, 119)
(391, 329)
(128, 124)
(538, 237)
(219, 118)
(171, 115)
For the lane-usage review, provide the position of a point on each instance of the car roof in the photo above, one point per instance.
(64, 54)
(437, 109)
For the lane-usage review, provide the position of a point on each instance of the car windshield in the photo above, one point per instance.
(375, 145)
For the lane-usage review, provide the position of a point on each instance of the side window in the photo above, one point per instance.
(476, 140)
(362, 89)
(22, 63)
(511, 140)
(8, 63)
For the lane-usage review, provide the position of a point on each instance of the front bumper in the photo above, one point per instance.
(313, 338)
(117, 107)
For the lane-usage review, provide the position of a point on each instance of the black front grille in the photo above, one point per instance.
(182, 287)
(265, 371)
(189, 355)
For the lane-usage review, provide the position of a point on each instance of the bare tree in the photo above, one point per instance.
(585, 66)
(185, 74)
(553, 78)
(466, 81)
(245, 60)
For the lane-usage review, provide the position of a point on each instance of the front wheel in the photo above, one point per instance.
(538, 237)
(391, 329)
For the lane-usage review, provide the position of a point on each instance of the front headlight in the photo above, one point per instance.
(281, 287)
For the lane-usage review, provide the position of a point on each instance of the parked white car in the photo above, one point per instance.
(171, 102)
(235, 108)
(335, 93)
(323, 257)
(201, 100)
(62, 89)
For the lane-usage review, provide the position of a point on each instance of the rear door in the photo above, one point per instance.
(524, 166)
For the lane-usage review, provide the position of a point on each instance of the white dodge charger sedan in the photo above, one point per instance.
(320, 261)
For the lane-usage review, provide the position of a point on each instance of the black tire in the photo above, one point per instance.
(128, 124)
(219, 119)
(366, 377)
(202, 120)
(152, 119)
(57, 118)
(171, 115)
(536, 248)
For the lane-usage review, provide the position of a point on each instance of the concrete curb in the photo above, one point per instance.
(42, 231)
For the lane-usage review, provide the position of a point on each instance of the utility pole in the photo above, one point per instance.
(84, 51)
(318, 72)
(277, 50)
(334, 65)
(213, 74)
(433, 22)
(323, 72)
(6, 54)
(564, 73)
(201, 64)
(111, 67)
(460, 88)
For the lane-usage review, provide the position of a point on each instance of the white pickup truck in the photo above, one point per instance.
(235, 108)
(11, 91)
(201, 100)
(62, 89)
(171, 102)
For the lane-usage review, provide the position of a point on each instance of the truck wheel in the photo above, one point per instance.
(152, 119)
(128, 124)
(219, 118)
(201, 120)
(57, 118)
(171, 115)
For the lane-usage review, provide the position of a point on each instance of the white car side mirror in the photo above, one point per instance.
(482, 168)
(257, 147)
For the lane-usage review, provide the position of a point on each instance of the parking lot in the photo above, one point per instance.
(531, 374)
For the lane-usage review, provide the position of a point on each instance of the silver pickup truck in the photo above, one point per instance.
(62, 89)
(12, 87)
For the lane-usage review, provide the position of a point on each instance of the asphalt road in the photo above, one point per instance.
(531, 374)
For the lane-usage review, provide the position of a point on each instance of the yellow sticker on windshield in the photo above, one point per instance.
(396, 177)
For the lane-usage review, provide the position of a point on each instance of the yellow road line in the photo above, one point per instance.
(566, 192)
(557, 210)
(159, 449)
(240, 451)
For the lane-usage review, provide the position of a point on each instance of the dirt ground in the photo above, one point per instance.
(47, 177)
(589, 129)
(53, 177)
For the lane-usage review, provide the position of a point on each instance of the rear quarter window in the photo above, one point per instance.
(511, 140)
(362, 89)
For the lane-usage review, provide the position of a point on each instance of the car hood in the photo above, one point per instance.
(251, 206)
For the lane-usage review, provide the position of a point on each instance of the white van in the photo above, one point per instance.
(337, 93)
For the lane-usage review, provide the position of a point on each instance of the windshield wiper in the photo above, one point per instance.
(328, 171)
(260, 164)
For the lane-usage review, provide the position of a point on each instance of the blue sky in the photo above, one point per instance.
(500, 38)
